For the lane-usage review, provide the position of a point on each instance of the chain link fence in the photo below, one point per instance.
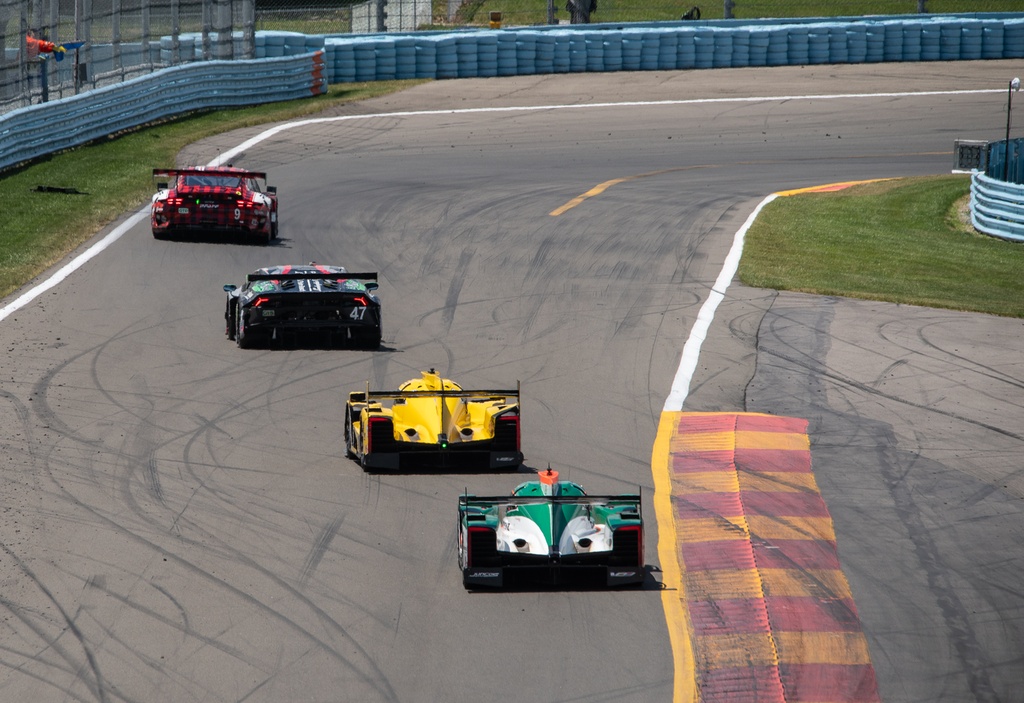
(121, 39)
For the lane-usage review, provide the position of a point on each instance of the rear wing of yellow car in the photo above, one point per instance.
(481, 395)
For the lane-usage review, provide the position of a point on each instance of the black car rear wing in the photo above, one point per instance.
(311, 275)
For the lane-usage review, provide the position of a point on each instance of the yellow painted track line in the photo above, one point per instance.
(602, 187)
(673, 594)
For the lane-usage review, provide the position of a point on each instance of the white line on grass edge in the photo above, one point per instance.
(691, 350)
(73, 265)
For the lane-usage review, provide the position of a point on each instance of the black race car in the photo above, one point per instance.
(323, 303)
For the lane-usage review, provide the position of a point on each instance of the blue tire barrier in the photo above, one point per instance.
(722, 55)
(526, 54)
(950, 39)
(447, 57)
(931, 42)
(798, 46)
(343, 60)
(577, 52)
(612, 51)
(893, 42)
(562, 59)
(992, 35)
(545, 52)
(405, 57)
(758, 54)
(507, 62)
(970, 40)
(1013, 39)
(875, 34)
(426, 60)
(639, 46)
(912, 42)
(487, 57)
(686, 51)
(274, 45)
(668, 51)
(704, 48)
(466, 48)
(818, 44)
(387, 64)
(366, 61)
(650, 51)
(595, 51)
(838, 46)
(740, 49)
(632, 49)
(857, 43)
(778, 47)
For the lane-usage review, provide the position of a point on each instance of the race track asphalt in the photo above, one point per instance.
(180, 522)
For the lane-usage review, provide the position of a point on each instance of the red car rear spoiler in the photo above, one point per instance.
(175, 172)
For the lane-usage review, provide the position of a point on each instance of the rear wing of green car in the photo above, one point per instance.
(624, 500)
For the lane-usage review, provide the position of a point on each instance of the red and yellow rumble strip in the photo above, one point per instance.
(829, 187)
(752, 575)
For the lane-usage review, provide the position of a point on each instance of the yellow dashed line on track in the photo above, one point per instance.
(602, 187)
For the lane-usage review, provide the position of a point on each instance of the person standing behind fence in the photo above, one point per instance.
(34, 46)
(579, 10)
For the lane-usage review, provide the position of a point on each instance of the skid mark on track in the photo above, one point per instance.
(766, 611)
(323, 541)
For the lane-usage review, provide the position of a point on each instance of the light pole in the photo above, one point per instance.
(1014, 86)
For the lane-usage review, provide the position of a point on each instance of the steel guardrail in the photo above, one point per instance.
(997, 207)
(31, 132)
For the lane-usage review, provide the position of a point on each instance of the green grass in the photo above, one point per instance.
(317, 17)
(527, 12)
(336, 18)
(901, 241)
(115, 176)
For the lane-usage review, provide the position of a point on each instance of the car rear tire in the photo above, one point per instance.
(232, 318)
(348, 434)
(244, 339)
(366, 338)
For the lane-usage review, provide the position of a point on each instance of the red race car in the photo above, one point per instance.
(216, 200)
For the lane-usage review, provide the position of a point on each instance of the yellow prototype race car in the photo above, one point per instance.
(432, 422)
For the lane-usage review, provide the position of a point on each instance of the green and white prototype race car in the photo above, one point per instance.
(550, 531)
